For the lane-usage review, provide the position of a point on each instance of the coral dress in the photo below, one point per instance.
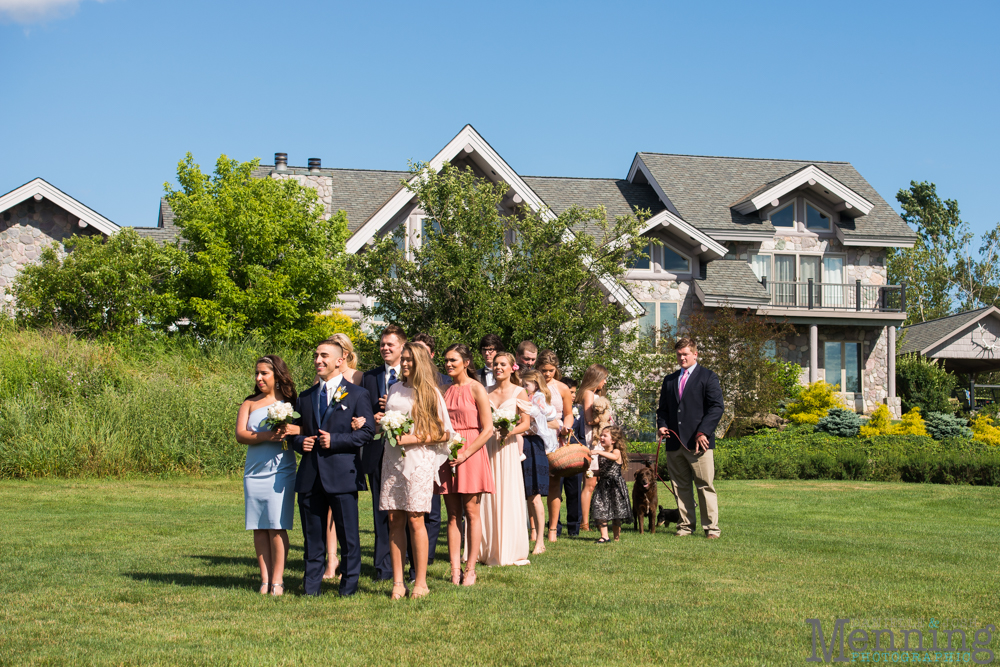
(408, 481)
(474, 475)
(505, 513)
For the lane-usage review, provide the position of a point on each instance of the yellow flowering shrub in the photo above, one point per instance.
(813, 403)
(984, 431)
(880, 423)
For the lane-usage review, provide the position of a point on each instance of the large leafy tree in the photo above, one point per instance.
(259, 257)
(473, 270)
(941, 271)
(103, 285)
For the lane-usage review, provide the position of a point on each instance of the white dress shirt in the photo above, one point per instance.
(389, 368)
(331, 387)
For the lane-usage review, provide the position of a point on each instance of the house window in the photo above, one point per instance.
(660, 318)
(784, 217)
(643, 263)
(674, 262)
(761, 265)
(842, 365)
(816, 220)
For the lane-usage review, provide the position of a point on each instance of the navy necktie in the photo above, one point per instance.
(324, 402)
(392, 379)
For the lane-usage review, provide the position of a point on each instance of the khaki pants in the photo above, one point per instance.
(686, 467)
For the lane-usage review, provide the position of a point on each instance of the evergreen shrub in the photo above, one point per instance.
(942, 425)
(840, 422)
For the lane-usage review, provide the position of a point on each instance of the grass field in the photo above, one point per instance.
(161, 572)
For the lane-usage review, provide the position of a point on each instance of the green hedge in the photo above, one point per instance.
(800, 453)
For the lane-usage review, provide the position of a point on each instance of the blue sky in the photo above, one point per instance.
(103, 98)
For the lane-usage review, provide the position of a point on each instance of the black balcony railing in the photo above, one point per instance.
(814, 295)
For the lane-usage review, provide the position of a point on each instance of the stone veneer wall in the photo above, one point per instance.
(865, 264)
(28, 228)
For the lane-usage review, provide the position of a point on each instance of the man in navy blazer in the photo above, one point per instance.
(690, 409)
(329, 475)
(377, 381)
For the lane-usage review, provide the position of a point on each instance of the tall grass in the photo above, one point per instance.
(72, 408)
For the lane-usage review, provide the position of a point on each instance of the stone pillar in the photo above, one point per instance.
(890, 362)
(813, 353)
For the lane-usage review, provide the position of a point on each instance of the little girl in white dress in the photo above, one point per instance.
(541, 413)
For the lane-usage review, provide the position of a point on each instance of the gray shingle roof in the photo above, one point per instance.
(705, 188)
(618, 196)
(920, 336)
(731, 278)
(165, 229)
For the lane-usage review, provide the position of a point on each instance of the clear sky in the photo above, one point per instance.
(103, 98)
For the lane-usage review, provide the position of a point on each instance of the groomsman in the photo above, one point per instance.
(432, 519)
(488, 347)
(527, 352)
(329, 477)
(689, 411)
(377, 381)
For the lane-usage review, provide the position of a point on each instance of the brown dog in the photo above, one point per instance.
(644, 498)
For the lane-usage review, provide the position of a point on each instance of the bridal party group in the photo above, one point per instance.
(413, 436)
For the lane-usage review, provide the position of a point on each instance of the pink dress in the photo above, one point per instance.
(408, 481)
(475, 475)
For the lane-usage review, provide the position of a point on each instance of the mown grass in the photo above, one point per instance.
(161, 572)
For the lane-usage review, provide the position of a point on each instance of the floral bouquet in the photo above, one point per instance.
(394, 424)
(279, 414)
(455, 444)
(505, 419)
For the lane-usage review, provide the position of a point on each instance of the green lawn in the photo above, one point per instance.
(161, 572)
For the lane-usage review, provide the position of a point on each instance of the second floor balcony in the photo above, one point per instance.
(856, 296)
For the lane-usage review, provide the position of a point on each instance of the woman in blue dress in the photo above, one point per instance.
(269, 472)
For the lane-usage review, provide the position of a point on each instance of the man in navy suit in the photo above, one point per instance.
(329, 474)
(377, 381)
(690, 409)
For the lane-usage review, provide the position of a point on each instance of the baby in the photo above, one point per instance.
(541, 412)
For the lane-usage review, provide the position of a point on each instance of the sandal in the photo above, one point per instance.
(274, 587)
(419, 592)
(398, 596)
(470, 578)
(265, 588)
(603, 540)
(553, 534)
(456, 575)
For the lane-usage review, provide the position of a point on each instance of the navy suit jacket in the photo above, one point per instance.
(337, 466)
(371, 456)
(698, 411)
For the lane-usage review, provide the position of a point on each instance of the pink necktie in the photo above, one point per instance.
(684, 379)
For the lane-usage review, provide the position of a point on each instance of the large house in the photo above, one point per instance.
(797, 240)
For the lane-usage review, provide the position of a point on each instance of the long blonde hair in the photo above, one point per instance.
(593, 376)
(348, 347)
(531, 375)
(427, 422)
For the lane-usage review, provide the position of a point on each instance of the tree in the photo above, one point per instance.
(941, 271)
(473, 270)
(258, 256)
(103, 285)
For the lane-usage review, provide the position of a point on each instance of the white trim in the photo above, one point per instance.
(795, 218)
(803, 177)
(45, 189)
(869, 242)
(639, 165)
(806, 203)
(667, 219)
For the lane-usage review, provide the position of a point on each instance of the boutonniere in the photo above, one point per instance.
(340, 394)
(576, 411)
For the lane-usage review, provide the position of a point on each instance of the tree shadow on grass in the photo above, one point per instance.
(206, 580)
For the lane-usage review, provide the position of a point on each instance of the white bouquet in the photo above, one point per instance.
(279, 414)
(455, 444)
(505, 419)
(394, 424)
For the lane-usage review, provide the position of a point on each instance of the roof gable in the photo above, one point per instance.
(923, 337)
(40, 188)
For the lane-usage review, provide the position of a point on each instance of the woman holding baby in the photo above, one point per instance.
(596, 415)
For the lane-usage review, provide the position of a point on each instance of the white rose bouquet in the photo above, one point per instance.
(279, 414)
(505, 419)
(455, 444)
(394, 424)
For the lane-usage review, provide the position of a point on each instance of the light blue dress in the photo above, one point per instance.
(268, 480)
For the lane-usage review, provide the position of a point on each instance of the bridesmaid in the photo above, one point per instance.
(352, 375)
(594, 381)
(408, 481)
(505, 514)
(269, 471)
(464, 480)
(562, 400)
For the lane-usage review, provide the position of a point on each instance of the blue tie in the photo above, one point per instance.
(324, 402)
(392, 379)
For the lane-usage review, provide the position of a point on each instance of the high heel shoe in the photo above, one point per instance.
(274, 590)
(456, 575)
(419, 592)
(470, 578)
(396, 585)
(265, 588)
